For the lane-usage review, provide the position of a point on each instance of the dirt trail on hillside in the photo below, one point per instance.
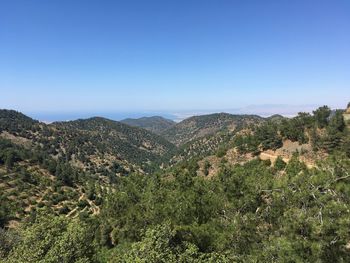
(287, 150)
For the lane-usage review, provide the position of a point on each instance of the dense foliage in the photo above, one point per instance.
(324, 130)
(247, 213)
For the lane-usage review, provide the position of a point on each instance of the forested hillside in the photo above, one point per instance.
(204, 125)
(116, 140)
(96, 145)
(312, 136)
(155, 124)
(30, 180)
(238, 189)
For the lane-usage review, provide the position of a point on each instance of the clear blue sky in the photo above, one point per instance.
(172, 55)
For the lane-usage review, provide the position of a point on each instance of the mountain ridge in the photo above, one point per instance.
(202, 125)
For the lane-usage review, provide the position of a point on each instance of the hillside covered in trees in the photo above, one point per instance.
(199, 126)
(155, 124)
(234, 189)
(94, 144)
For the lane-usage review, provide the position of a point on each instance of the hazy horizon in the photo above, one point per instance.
(175, 115)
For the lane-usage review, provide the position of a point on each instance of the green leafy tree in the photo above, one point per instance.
(268, 136)
(206, 167)
(156, 246)
(336, 122)
(221, 151)
(8, 240)
(294, 129)
(321, 116)
(335, 129)
(53, 239)
(10, 159)
(279, 163)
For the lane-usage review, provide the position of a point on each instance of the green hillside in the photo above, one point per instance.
(31, 180)
(200, 126)
(103, 137)
(155, 124)
(95, 145)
